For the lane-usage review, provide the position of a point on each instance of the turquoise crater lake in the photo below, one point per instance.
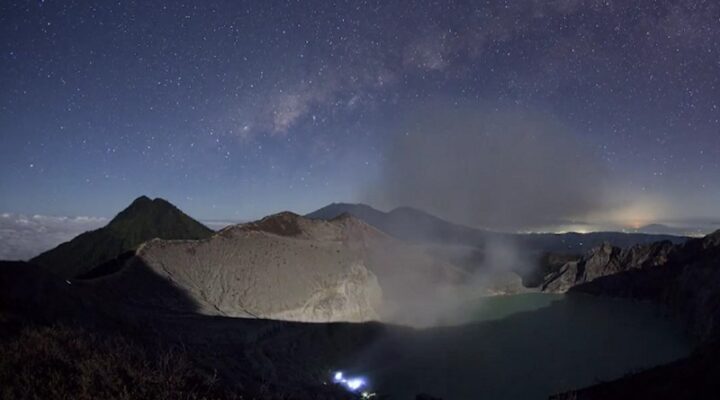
(524, 346)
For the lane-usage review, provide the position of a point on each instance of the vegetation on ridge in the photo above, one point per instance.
(63, 362)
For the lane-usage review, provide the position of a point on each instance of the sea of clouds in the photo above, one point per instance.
(25, 236)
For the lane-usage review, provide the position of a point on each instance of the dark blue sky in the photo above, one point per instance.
(233, 110)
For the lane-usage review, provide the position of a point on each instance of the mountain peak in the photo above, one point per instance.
(360, 210)
(146, 201)
(144, 207)
(142, 220)
(141, 200)
(284, 223)
(283, 215)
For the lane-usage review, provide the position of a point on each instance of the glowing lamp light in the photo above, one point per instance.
(351, 383)
(355, 383)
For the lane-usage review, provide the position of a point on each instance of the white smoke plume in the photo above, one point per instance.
(510, 169)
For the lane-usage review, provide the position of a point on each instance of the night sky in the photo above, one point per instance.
(233, 110)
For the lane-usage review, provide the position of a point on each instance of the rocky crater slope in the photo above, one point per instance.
(606, 260)
(253, 358)
(282, 267)
(685, 279)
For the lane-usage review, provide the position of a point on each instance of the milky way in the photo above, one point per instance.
(239, 109)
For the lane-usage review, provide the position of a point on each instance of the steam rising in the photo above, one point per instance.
(499, 169)
(510, 169)
(422, 300)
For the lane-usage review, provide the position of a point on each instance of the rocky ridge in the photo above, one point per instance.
(275, 268)
(283, 267)
(685, 279)
(606, 260)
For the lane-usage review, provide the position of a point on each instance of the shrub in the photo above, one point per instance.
(61, 362)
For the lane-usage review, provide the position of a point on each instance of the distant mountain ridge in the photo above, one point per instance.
(405, 223)
(416, 225)
(142, 220)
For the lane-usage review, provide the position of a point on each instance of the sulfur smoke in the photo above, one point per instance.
(508, 169)
(504, 170)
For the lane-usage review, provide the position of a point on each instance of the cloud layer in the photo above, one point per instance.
(23, 237)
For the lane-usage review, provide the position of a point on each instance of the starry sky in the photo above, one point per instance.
(233, 110)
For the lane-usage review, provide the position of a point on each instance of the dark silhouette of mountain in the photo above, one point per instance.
(362, 211)
(573, 242)
(415, 225)
(143, 220)
(405, 223)
(657, 229)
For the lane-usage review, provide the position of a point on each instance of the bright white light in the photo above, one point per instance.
(352, 384)
(355, 384)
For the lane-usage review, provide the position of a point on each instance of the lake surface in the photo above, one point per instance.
(522, 347)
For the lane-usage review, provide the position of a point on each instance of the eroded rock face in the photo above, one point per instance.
(246, 273)
(285, 267)
(686, 280)
(684, 277)
(606, 260)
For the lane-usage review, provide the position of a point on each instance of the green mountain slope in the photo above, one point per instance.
(143, 220)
